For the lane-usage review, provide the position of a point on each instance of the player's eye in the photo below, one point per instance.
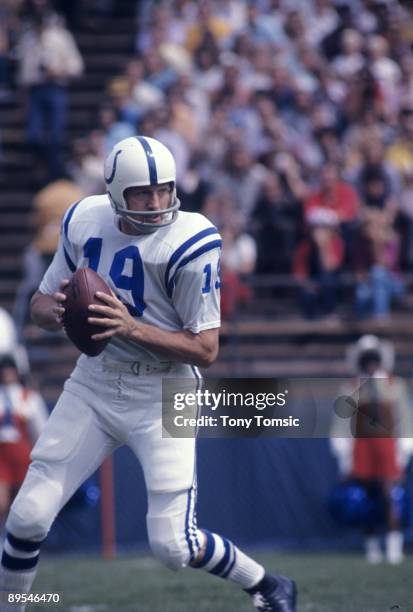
(163, 191)
(144, 195)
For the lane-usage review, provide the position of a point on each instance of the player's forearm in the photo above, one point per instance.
(184, 346)
(42, 311)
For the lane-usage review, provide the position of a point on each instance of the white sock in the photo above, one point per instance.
(223, 559)
(374, 554)
(12, 581)
(17, 570)
(394, 547)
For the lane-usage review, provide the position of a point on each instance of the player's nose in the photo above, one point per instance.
(154, 202)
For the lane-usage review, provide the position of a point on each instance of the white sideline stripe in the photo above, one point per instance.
(19, 554)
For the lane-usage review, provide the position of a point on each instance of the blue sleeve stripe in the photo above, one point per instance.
(68, 216)
(153, 173)
(185, 246)
(69, 262)
(203, 249)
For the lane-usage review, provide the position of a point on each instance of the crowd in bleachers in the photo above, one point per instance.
(292, 125)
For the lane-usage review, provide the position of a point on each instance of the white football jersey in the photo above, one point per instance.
(169, 278)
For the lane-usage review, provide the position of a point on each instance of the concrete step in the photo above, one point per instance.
(117, 42)
(296, 327)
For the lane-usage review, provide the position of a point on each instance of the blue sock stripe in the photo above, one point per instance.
(220, 567)
(15, 563)
(210, 548)
(23, 545)
(227, 572)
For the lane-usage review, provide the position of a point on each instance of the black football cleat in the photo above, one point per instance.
(274, 594)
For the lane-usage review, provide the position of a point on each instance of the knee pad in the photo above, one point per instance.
(168, 543)
(35, 507)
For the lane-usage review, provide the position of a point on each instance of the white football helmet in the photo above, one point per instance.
(140, 161)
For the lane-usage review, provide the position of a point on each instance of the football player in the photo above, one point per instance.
(163, 320)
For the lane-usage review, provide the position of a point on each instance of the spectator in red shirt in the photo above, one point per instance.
(23, 413)
(336, 195)
(318, 262)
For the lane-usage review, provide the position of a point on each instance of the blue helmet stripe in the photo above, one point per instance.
(153, 173)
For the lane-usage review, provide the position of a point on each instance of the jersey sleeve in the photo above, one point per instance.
(64, 260)
(196, 293)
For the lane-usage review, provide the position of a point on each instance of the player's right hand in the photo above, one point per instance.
(59, 297)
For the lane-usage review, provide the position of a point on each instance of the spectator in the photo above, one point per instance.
(139, 95)
(242, 178)
(49, 58)
(276, 220)
(374, 445)
(318, 262)
(49, 205)
(239, 248)
(351, 60)
(400, 153)
(23, 414)
(373, 159)
(237, 262)
(207, 22)
(336, 195)
(376, 257)
(85, 167)
(386, 72)
(405, 222)
(112, 125)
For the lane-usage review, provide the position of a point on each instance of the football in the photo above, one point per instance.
(80, 293)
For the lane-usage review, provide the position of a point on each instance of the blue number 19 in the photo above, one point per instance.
(207, 271)
(135, 283)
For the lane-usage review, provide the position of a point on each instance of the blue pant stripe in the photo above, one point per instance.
(187, 523)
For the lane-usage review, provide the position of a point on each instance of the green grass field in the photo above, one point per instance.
(327, 583)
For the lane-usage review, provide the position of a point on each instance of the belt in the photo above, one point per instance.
(138, 368)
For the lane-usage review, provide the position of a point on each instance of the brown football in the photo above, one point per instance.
(80, 293)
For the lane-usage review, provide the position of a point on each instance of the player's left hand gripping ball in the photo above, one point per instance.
(80, 294)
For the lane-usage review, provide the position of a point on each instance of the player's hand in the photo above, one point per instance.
(116, 320)
(59, 297)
